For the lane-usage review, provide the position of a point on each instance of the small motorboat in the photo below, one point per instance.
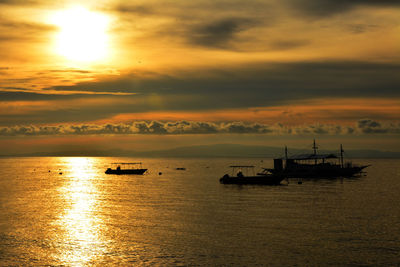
(126, 168)
(264, 177)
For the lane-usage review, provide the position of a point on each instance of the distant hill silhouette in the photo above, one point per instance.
(208, 151)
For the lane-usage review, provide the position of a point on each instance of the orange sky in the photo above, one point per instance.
(297, 64)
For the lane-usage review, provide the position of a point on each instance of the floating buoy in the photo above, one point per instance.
(299, 182)
(159, 173)
(60, 173)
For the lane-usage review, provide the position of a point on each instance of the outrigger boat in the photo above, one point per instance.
(315, 165)
(238, 177)
(127, 168)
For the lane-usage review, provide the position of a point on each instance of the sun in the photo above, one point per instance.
(82, 35)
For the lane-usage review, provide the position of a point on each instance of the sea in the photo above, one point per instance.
(65, 211)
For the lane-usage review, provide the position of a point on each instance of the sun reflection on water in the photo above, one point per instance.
(80, 222)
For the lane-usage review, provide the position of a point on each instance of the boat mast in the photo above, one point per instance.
(341, 155)
(286, 156)
(315, 150)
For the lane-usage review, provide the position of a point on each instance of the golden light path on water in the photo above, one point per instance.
(80, 223)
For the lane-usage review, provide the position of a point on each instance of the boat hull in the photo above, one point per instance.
(259, 179)
(126, 171)
(315, 172)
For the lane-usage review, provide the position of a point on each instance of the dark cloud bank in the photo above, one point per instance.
(218, 33)
(322, 8)
(228, 87)
(251, 84)
(267, 81)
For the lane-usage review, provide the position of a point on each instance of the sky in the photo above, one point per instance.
(157, 74)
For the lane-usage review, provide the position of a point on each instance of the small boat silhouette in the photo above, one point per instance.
(315, 165)
(264, 177)
(127, 168)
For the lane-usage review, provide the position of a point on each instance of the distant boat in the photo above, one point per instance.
(126, 168)
(315, 165)
(238, 177)
(180, 169)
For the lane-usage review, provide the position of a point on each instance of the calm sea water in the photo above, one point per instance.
(85, 217)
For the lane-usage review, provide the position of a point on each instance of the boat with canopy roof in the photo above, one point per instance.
(126, 168)
(315, 165)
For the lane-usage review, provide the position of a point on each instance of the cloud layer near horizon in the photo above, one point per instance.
(365, 126)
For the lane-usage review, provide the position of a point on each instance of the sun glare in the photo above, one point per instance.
(82, 35)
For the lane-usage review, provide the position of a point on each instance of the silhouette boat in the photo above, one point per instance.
(238, 177)
(315, 165)
(126, 168)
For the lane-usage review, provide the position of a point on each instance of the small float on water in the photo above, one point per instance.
(244, 174)
(126, 168)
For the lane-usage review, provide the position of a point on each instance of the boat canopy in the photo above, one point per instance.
(126, 163)
(241, 166)
(246, 168)
(313, 156)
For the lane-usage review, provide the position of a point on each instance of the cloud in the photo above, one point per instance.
(189, 127)
(15, 94)
(323, 129)
(251, 85)
(241, 128)
(183, 22)
(199, 90)
(138, 9)
(138, 127)
(321, 8)
(19, 2)
(369, 126)
(69, 71)
(220, 32)
(219, 88)
(359, 28)
(194, 10)
(31, 26)
(288, 44)
(11, 30)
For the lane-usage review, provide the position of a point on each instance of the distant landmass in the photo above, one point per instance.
(207, 151)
